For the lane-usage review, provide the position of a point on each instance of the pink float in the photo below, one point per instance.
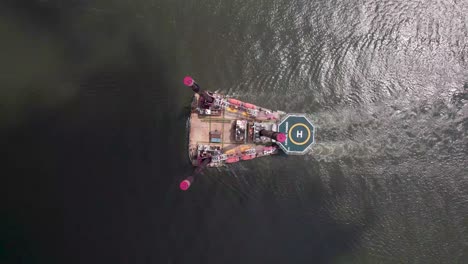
(281, 137)
(188, 81)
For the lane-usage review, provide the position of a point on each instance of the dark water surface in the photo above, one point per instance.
(93, 115)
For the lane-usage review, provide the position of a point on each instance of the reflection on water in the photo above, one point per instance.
(386, 85)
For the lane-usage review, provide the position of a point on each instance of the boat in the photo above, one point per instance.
(225, 130)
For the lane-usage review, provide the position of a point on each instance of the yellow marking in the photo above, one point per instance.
(228, 143)
(209, 120)
(217, 121)
(222, 133)
(290, 134)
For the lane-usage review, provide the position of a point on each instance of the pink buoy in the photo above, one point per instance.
(184, 185)
(281, 137)
(188, 81)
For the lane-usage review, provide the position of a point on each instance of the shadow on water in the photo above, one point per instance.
(89, 175)
(84, 179)
(81, 176)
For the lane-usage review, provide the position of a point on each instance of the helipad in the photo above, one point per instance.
(300, 134)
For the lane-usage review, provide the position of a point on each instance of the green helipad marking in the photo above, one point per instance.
(300, 134)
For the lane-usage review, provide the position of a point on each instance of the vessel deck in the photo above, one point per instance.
(225, 123)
